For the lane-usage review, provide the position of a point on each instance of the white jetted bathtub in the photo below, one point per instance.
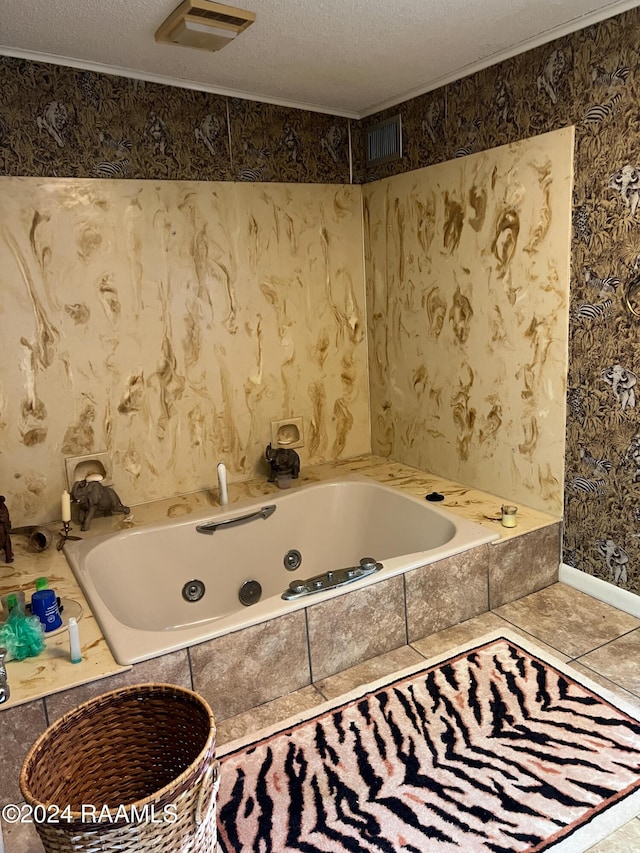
(160, 588)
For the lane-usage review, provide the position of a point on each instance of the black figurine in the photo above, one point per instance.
(92, 497)
(284, 463)
(5, 530)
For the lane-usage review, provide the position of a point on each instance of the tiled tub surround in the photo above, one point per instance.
(255, 665)
(258, 664)
(135, 580)
(51, 671)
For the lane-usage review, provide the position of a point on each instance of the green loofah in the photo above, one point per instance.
(22, 636)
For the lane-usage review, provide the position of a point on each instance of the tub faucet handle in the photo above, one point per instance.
(5, 692)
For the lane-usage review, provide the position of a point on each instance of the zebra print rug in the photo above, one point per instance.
(494, 749)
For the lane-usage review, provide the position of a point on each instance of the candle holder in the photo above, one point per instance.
(64, 534)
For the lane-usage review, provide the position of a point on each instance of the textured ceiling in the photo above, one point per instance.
(347, 57)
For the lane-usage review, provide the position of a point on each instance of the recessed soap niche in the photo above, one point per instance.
(287, 433)
(97, 465)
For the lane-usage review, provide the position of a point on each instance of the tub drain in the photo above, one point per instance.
(250, 593)
(193, 590)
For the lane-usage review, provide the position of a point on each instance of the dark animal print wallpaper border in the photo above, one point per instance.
(56, 121)
(61, 122)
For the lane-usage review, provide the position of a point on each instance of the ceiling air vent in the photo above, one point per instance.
(384, 141)
(204, 25)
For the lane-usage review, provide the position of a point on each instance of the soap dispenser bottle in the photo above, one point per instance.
(9, 601)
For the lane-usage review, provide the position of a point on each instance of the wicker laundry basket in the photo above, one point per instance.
(131, 770)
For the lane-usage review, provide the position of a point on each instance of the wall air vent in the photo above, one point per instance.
(384, 141)
(204, 25)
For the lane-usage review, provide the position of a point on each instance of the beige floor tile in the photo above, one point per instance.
(568, 620)
(457, 635)
(607, 683)
(370, 670)
(624, 840)
(21, 838)
(540, 644)
(618, 661)
(20, 727)
(471, 630)
(268, 714)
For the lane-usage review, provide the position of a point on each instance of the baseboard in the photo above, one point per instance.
(603, 591)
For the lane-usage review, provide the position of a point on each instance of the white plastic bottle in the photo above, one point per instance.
(74, 641)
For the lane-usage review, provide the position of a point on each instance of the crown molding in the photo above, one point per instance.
(608, 11)
(611, 10)
(150, 77)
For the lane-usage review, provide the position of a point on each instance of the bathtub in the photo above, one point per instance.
(164, 587)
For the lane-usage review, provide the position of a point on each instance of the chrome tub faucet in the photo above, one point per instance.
(223, 492)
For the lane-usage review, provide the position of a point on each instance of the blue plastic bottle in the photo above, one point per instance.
(44, 605)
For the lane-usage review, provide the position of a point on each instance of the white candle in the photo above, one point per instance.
(66, 506)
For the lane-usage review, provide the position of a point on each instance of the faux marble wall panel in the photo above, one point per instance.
(467, 268)
(168, 323)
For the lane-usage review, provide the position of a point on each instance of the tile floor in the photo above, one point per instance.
(594, 638)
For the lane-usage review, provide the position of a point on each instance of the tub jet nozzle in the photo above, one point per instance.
(250, 593)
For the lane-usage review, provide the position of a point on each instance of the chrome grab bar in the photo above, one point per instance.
(212, 526)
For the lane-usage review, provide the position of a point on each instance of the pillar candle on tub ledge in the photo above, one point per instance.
(66, 506)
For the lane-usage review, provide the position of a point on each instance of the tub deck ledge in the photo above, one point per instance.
(52, 671)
